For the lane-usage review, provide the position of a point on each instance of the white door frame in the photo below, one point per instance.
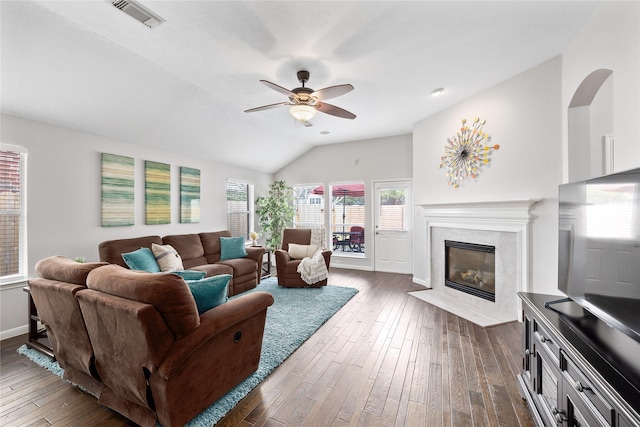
(391, 264)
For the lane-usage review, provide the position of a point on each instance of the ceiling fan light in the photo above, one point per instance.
(302, 113)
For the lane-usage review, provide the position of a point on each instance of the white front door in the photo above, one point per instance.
(392, 226)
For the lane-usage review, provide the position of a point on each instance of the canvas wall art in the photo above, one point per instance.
(157, 192)
(189, 195)
(117, 190)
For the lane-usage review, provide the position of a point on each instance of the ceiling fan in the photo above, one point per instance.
(305, 102)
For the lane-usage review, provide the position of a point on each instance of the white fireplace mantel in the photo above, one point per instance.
(512, 216)
(510, 213)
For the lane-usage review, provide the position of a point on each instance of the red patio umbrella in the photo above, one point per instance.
(351, 190)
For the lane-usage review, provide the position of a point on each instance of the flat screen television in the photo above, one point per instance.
(599, 248)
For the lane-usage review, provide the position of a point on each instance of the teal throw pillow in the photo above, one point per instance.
(232, 247)
(142, 259)
(210, 292)
(190, 274)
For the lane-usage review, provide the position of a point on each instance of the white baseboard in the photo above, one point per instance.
(352, 267)
(422, 282)
(10, 333)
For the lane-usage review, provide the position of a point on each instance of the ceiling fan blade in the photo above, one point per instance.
(332, 92)
(335, 111)
(266, 107)
(278, 88)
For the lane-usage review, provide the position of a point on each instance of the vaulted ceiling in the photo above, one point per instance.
(184, 85)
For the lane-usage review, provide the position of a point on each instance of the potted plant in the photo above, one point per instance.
(275, 212)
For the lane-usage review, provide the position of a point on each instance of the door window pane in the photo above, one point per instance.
(393, 209)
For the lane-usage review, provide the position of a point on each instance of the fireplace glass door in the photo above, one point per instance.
(471, 268)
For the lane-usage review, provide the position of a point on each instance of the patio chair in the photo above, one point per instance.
(356, 241)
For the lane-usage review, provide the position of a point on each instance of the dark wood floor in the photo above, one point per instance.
(385, 359)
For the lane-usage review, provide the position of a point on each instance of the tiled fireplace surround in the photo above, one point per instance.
(503, 224)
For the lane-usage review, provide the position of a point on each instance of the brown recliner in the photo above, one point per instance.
(54, 296)
(287, 268)
(158, 359)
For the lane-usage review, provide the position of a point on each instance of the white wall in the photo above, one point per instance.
(523, 116)
(64, 198)
(368, 160)
(609, 40)
(579, 150)
(528, 115)
(601, 124)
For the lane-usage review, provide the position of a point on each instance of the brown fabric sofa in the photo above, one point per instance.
(53, 294)
(198, 252)
(136, 341)
(287, 268)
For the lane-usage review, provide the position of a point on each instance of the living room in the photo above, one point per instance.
(526, 114)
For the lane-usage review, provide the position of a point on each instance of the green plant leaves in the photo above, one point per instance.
(276, 212)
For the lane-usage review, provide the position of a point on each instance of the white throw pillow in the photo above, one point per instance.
(167, 257)
(301, 251)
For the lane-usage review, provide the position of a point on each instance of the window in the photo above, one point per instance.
(239, 208)
(13, 212)
(393, 212)
(347, 206)
(347, 217)
(308, 200)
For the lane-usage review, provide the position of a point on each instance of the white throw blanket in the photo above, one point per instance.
(313, 269)
(318, 237)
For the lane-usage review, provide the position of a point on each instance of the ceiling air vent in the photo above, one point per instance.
(138, 12)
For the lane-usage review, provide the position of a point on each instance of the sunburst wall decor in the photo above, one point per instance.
(466, 152)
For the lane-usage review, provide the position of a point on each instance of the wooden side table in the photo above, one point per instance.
(37, 336)
(266, 266)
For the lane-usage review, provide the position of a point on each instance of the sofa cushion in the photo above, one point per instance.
(231, 248)
(187, 245)
(211, 244)
(64, 269)
(168, 293)
(241, 266)
(210, 292)
(167, 257)
(301, 236)
(301, 251)
(190, 274)
(142, 260)
(214, 269)
(292, 267)
(111, 250)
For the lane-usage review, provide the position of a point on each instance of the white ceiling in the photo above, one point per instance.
(184, 85)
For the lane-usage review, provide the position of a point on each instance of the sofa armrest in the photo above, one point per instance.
(282, 259)
(327, 258)
(255, 253)
(212, 323)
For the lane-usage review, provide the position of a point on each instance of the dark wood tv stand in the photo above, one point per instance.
(576, 370)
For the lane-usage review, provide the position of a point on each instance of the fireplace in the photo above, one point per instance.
(504, 225)
(471, 268)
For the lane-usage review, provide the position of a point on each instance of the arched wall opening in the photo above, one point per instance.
(590, 126)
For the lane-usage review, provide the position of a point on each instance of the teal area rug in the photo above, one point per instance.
(294, 316)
